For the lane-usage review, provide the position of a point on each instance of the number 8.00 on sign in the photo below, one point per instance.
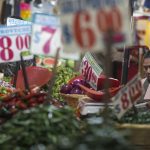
(13, 41)
(128, 96)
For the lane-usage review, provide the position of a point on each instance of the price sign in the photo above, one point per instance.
(126, 97)
(46, 36)
(13, 41)
(85, 23)
(90, 70)
(14, 22)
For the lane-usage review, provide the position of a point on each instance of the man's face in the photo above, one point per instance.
(146, 66)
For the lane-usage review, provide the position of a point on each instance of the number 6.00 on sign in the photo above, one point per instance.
(86, 22)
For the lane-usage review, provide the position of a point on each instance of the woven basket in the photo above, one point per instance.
(72, 99)
(139, 135)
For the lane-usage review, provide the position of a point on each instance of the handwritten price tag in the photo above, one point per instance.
(46, 36)
(85, 23)
(13, 41)
(126, 97)
(90, 70)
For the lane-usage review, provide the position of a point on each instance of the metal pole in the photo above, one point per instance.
(125, 64)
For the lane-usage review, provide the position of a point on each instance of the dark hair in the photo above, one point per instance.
(147, 54)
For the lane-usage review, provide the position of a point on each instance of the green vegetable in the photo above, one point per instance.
(7, 79)
(142, 117)
(3, 90)
(64, 74)
(58, 129)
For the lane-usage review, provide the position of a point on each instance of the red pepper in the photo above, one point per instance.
(21, 105)
(98, 95)
(101, 81)
(41, 99)
(95, 95)
(113, 91)
(33, 104)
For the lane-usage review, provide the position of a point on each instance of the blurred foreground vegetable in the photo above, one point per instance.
(48, 128)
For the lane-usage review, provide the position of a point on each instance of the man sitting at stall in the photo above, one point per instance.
(146, 80)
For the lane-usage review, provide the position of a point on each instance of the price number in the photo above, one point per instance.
(127, 98)
(9, 45)
(88, 73)
(135, 91)
(123, 104)
(46, 44)
(84, 33)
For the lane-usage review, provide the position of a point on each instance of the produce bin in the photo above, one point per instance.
(139, 135)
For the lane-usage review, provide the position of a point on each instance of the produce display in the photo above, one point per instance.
(46, 127)
(4, 91)
(64, 74)
(6, 84)
(99, 95)
(19, 100)
(142, 117)
(73, 87)
(80, 102)
(46, 62)
(78, 85)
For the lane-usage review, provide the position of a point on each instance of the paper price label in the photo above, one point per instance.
(90, 70)
(47, 37)
(127, 96)
(85, 23)
(46, 40)
(13, 41)
(14, 22)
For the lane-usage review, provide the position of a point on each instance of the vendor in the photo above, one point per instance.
(146, 80)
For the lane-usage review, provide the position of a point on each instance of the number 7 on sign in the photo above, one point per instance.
(47, 45)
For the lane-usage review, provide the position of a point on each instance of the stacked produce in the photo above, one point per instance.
(5, 84)
(48, 128)
(5, 89)
(46, 62)
(72, 87)
(19, 100)
(64, 74)
(13, 100)
(142, 117)
(79, 85)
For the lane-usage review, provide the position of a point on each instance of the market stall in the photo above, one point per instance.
(74, 75)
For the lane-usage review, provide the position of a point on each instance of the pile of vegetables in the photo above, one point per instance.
(45, 127)
(139, 117)
(4, 91)
(142, 117)
(73, 87)
(64, 74)
(6, 84)
(19, 100)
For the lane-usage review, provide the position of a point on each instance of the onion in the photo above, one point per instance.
(66, 88)
(76, 90)
(76, 83)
